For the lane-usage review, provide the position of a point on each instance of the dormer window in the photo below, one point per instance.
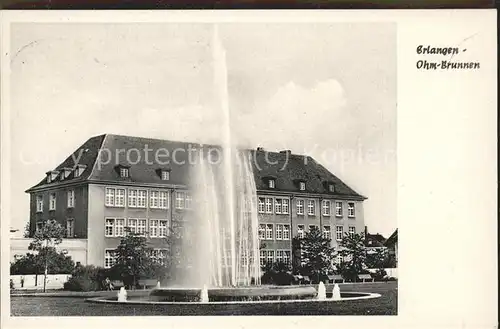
(272, 183)
(52, 175)
(79, 169)
(302, 186)
(65, 173)
(165, 175)
(124, 172)
(331, 188)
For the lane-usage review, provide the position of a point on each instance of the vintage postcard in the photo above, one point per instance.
(200, 168)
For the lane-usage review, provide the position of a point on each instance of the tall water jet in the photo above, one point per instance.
(223, 221)
(321, 291)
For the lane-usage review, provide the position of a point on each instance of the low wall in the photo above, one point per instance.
(391, 272)
(54, 281)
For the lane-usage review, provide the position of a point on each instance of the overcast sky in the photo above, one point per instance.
(327, 90)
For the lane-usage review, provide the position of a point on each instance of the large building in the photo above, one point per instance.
(112, 182)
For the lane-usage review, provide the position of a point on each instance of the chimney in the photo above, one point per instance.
(287, 152)
(260, 148)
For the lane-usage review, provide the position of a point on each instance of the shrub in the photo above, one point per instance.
(86, 278)
(11, 284)
(379, 275)
(278, 274)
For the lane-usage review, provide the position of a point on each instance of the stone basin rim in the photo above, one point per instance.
(114, 300)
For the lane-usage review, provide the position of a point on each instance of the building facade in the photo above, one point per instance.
(112, 182)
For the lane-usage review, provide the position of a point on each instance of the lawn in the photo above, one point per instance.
(77, 306)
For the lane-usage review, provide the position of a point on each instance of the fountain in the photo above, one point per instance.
(321, 291)
(336, 292)
(122, 295)
(222, 249)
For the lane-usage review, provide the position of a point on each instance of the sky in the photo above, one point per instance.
(325, 90)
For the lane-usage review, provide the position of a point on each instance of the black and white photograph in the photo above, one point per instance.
(211, 167)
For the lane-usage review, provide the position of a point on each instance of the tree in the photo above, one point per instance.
(58, 263)
(26, 233)
(48, 236)
(316, 254)
(353, 254)
(133, 258)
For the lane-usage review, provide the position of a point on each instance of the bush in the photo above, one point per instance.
(379, 275)
(86, 278)
(278, 274)
(11, 284)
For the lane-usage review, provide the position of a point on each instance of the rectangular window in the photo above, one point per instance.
(153, 228)
(277, 206)
(339, 233)
(286, 257)
(164, 200)
(188, 201)
(286, 232)
(70, 227)
(39, 226)
(159, 256)
(300, 231)
(262, 231)
(338, 259)
(350, 209)
(326, 232)
(269, 205)
(326, 207)
(302, 186)
(272, 183)
(311, 208)
(71, 198)
(286, 207)
(52, 201)
(163, 228)
(110, 197)
(124, 172)
(141, 227)
(300, 207)
(312, 227)
(279, 256)
(338, 208)
(279, 232)
(262, 205)
(109, 258)
(331, 188)
(179, 200)
(120, 227)
(352, 230)
(165, 175)
(270, 256)
(132, 225)
(269, 231)
(142, 196)
(132, 198)
(109, 229)
(115, 197)
(263, 255)
(39, 203)
(154, 201)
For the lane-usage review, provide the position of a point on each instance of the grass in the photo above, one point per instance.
(68, 305)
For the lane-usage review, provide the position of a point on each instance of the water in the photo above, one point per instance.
(122, 295)
(321, 291)
(204, 294)
(336, 292)
(222, 247)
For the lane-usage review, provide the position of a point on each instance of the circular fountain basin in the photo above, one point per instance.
(257, 293)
